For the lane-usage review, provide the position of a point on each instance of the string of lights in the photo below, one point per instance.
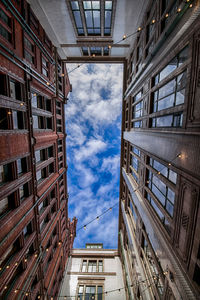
(140, 29)
(154, 277)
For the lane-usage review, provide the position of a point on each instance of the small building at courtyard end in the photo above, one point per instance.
(93, 273)
(159, 219)
(36, 235)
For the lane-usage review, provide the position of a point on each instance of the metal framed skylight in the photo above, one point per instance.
(95, 51)
(108, 17)
(77, 17)
(92, 18)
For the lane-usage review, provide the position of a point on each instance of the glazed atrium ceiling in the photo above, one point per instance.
(90, 30)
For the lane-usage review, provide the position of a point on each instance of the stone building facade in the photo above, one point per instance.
(94, 273)
(159, 237)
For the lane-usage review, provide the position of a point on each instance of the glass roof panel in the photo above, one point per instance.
(108, 4)
(96, 15)
(77, 17)
(108, 18)
(88, 16)
(74, 5)
(87, 4)
(95, 5)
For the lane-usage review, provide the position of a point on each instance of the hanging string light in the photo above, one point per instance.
(27, 293)
(125, 36)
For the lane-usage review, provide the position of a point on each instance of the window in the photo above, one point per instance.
(28, 230)
(29, 50)
(137, 110)
(24, 191)
(171, 94)
(41, 102)
(43, 205)
(18, 119)
(40, 122)
(9, 254)
(3, 84)
(92, 266)
(45, 67)
(150, 265)
(22, 165)
(164, 194)
(165, 171)
(176, 62)
(89, 16)
(107, 17)
(15, 89)
(92, 17)
(8, 203)
(89, 292)
(77, 17)
(171, 120)
(6, 26)
(134, 162)
(6, 173)
(132, 208)
(34, 23)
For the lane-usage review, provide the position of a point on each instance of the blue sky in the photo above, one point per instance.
(93, 126)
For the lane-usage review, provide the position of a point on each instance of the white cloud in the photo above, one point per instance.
(93, 108)
(91, 148)
(111, 164)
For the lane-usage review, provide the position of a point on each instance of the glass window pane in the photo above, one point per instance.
(170, 208)
(87, 4)
(181, 81)
(180, 97)
(95, 5)
(168, 69)
(161, 186)
(108, 18)
(88, 16)
(166, 102)
(158, 195)
(183, 55)
(172, 176)
(165, 121)
(158, 211)
(77, 17)
(96, 15)
(107, 31)
(108, 4)
(167, 89)
(171, 195)
(74, 4)
(19, 166)
(15, 122)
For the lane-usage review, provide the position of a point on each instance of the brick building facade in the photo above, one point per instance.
(36, 235)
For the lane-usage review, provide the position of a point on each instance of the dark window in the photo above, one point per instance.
(18, 120)
(5, 26)
(4, 118)
(15, 90)
(50, 152)
(45, 67)
(3, 85)
(34, 23)
(29, 50)
(22, 165)
(6, 173)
